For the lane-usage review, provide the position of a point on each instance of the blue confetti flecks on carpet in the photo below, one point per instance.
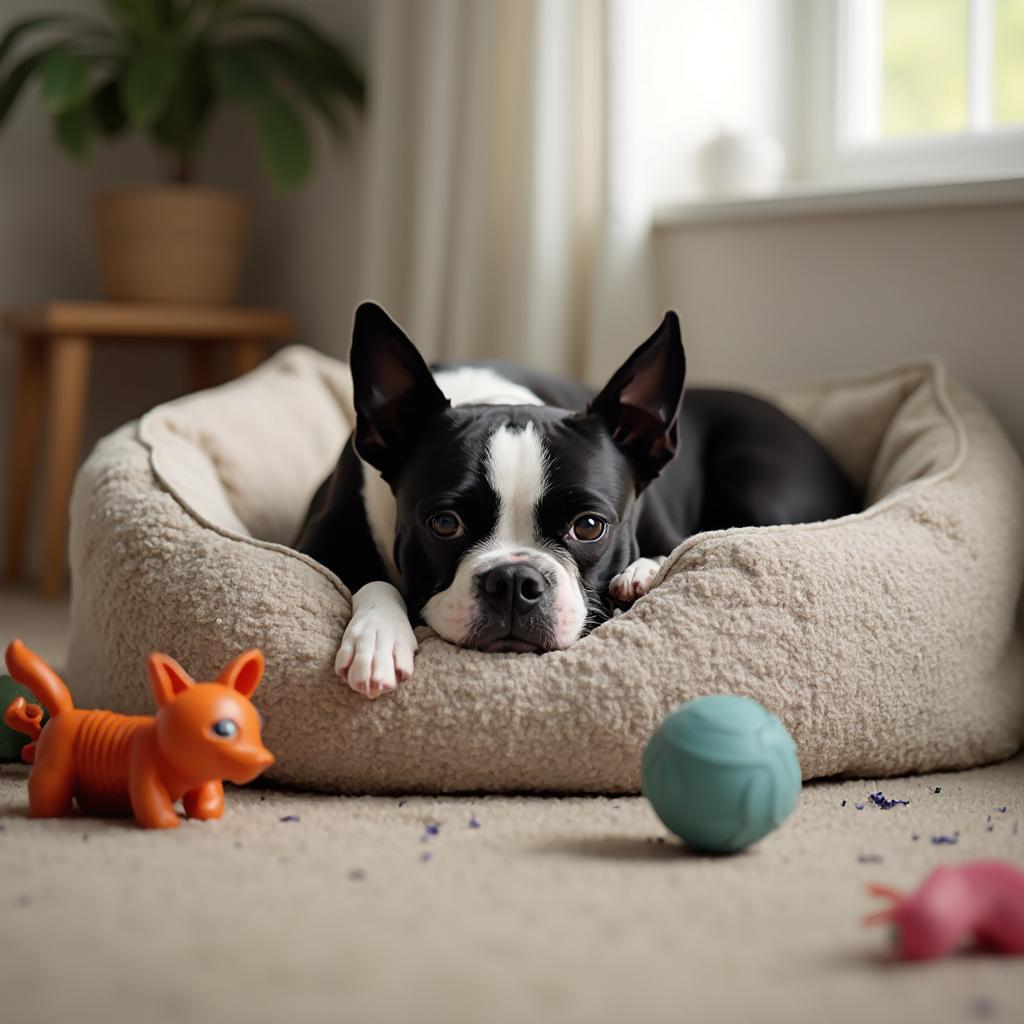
(946, 840)
(883, 804)
(289, 818)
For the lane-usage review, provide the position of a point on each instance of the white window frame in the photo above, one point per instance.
(841, 142)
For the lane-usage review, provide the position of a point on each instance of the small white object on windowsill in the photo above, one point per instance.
(734, 165)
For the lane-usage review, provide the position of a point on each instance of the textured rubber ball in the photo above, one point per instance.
(721, 772)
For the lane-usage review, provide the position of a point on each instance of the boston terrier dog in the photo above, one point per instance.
(511, 511)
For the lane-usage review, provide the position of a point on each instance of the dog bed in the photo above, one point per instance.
(887, 641)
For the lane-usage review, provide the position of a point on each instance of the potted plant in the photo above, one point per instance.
(161, 67)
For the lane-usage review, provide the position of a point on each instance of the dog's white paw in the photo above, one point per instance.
(635, 580)
(376, 652)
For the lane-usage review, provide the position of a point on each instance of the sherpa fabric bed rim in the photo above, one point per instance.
(930, 368)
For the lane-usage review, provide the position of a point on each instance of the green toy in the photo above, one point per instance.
(721, 772)
(11, 742)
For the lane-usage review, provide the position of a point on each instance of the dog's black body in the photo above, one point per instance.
(625, 461)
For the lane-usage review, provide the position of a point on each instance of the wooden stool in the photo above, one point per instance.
(54, 349)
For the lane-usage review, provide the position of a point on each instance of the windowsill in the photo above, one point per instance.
(803, 199)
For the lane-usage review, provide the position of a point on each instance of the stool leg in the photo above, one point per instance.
(247, 354)
(26, 430)
(69, 379)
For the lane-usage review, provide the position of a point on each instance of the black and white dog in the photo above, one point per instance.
(510, 511)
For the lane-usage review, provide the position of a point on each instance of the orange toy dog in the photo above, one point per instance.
(141, 765)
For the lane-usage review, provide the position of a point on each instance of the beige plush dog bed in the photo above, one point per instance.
(888, 641)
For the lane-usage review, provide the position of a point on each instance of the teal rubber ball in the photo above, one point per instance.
(721, 772)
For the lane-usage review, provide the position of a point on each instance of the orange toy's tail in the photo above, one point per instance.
(25, 718)
(32, 672)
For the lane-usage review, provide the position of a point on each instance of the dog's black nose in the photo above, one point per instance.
(513, 588)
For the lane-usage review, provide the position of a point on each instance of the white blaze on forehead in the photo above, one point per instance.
(517, 473)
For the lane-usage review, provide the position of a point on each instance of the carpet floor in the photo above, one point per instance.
(312, 908)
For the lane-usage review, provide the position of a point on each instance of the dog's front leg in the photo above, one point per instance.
(377, 649)
(635, 580)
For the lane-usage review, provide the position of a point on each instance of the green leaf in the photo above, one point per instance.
(329, 58)
(179, 128)
(21, 28)
(65, 80)
(74, 130)
(187, 9)
(165, 12)
(304, 79)
(106, 101)
(142, 18)
(11, 84)
(147, 84)
(285, 141)
(239, 74)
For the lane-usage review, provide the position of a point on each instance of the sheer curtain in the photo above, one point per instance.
(506, 208)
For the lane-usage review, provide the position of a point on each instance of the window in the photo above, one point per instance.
(918, 89)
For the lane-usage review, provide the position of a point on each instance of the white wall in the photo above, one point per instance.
(304, 252)
(808, 297)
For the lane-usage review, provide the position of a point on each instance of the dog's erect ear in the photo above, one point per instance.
(167, 678)
(395, 392)
(640, 404)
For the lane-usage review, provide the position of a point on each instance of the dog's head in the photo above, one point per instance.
(512, 519)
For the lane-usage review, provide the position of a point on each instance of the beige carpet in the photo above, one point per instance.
(549, 910)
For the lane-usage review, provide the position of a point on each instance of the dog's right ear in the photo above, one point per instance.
(395, 392)
(640, 404)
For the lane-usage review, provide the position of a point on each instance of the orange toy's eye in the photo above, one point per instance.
(447, 525)
(588, 528)
(226, 728)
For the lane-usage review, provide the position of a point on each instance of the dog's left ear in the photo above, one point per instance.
(640, 404)
(395, 392)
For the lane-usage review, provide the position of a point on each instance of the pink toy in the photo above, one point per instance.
(984, 899)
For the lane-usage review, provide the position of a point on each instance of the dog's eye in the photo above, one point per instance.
(446, 525)
(226, 728)
(588, 527)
